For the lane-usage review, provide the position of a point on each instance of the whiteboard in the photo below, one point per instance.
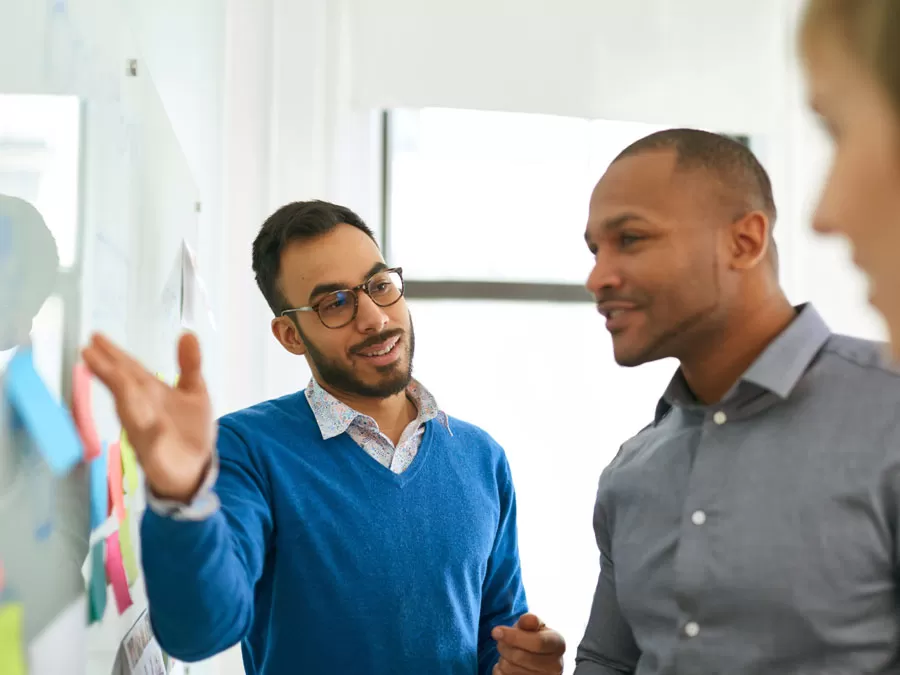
(131, 205)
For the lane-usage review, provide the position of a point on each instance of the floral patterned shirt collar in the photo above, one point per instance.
(334, 417)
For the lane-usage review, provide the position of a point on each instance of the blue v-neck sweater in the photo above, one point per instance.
(323, 562)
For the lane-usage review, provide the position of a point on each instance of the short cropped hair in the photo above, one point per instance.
(297, 221)
(732, 163)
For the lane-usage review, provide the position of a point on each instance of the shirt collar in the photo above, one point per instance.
(335, 417)
(778, 369)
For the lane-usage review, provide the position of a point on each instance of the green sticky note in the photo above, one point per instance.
(129, 464)
(97, 587)
(12, 654)
(128, 558)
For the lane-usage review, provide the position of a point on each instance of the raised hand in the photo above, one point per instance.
(529, 648)
(172, 429)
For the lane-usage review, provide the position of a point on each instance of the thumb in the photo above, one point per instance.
(191, 377)
(530, 622)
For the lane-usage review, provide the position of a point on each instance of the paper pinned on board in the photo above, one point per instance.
(82, 411)
(115, 571)
(195, 302)
(47, 422)
(12, 652)
(141, 654)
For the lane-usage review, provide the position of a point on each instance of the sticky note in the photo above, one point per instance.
(82, 411)
(2, 577)
(97, 584)
(115, 570)
(128, 558)
(46, 421)
(129, 465)
(114, 468)
(12, 654)
(99, 491)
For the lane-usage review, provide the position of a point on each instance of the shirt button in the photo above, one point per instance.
(698, 517)
(720, 417)
(691, 629)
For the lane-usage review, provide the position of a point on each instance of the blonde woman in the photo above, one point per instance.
(851, 53)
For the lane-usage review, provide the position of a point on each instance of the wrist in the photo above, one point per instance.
(186, 492)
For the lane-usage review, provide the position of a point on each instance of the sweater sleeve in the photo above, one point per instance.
(200, 574)
(503, 595)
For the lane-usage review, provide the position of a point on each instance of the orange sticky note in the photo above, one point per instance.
(82, 411)
(115, 572)
(129, 464)
(114, 475)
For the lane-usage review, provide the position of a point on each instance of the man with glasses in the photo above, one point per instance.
(350, 528)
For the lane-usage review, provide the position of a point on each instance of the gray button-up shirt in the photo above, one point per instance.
(759, 535)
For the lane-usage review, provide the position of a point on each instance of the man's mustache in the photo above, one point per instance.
(376, 340)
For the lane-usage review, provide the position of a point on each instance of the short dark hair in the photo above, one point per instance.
(728, 160)
(297, 221)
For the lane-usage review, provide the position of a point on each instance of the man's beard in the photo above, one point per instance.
(341, 377)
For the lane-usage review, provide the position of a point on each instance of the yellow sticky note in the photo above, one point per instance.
(129, 464)
(12, 655)
(128, 557)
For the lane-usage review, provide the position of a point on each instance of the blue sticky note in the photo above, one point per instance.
(46, 421)
(99, 490)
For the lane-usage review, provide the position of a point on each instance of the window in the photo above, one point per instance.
(39, 146)
(498, 197)
(39, 159)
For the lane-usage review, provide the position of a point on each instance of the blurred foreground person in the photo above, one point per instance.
(851, 51)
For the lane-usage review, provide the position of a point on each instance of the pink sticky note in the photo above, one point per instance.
(115, 572)
(82, 412)
(114, 470)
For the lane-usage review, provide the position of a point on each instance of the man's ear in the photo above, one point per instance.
(288, 334)
(749, 240)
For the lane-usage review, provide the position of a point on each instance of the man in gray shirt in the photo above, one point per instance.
(753, 526)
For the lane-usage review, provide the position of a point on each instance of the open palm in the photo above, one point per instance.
(172, 429)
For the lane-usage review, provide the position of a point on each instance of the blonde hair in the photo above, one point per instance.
(869, 29)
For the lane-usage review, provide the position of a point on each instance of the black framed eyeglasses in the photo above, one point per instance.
(339, 308)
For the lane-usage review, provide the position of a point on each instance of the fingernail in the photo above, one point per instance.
(497, 633)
